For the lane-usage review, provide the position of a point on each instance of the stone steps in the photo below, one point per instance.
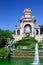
(25, 54)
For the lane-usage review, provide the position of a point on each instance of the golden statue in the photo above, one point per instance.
(27, 10)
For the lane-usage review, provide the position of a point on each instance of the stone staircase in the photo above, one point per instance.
(27, 53)
(40, 45)
(22, 54)
(40, 53)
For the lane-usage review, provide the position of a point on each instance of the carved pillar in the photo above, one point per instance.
(22, 27)
(39, 31)
(16, 31)
(33, 32)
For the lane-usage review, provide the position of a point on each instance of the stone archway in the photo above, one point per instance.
(37, 32)
(18, 32)
(28, 28)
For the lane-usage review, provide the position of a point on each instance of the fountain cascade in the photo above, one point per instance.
(36, 58)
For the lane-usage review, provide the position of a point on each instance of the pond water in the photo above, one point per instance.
(15, 61)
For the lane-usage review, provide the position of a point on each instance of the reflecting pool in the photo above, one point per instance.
(18, 61)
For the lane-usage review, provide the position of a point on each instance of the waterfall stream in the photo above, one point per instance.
(36, 58)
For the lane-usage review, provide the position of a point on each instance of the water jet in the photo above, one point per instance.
(36, 58)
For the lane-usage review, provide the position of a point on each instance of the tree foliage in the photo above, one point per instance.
(25, 41)
(4, 35)
(4, 52)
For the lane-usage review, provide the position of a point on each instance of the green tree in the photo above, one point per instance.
(4, 35)
(8, 34)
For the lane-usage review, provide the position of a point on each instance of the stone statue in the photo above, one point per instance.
(10, 45)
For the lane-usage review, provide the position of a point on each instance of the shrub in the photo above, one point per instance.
(25, 41)
(4, 52)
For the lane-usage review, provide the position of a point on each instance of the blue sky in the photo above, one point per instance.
(12, 10)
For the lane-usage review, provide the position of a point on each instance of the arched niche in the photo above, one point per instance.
(18, 32)
(37, 32)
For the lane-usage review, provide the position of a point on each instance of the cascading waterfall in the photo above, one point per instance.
(36, 58)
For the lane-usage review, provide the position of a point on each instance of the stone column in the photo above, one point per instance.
(33, 29)
(22, 27)
(39, 31)
(16, 31)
